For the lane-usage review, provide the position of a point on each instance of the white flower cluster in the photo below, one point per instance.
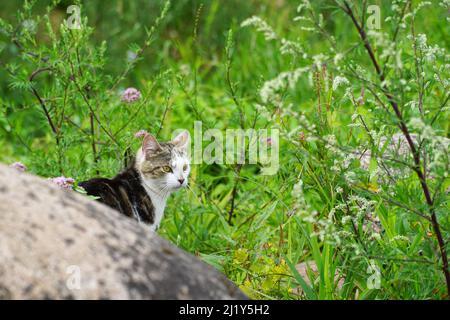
(287, 46)
(337, 58)
(421, 5)
(325, 228)
(319, 60)
(301, 207)
(340, 81)
(292, 48)
(438, 145)
(327, 232)
(400, 238)
(382, 41)
(284, 80)
(261, 26)
(305, 4)
(342, 159)
(350, 177)
(359, 211)
(430, 52)
(446, 5)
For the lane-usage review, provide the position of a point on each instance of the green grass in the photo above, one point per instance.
(182, 75)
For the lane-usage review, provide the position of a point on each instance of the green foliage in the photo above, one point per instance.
(306, 72)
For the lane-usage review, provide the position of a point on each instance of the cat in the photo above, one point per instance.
(141, 190)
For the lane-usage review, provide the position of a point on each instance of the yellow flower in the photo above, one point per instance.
(240, 256)
(373, 187)
(247, 287)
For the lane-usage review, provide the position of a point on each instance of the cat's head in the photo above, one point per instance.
(164, 165)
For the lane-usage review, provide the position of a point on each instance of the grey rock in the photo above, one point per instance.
(58, 244)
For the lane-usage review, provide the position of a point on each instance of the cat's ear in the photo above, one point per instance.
(150, 145)
(181, 140)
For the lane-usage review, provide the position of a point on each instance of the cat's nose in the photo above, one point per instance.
(181, 180)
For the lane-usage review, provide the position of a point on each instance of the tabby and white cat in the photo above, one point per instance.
(142, 189)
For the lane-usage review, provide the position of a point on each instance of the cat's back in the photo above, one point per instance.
(97, 186)
(124, 193)
(106, 191)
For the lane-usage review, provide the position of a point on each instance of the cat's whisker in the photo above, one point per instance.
(164, 190)
(193, 192)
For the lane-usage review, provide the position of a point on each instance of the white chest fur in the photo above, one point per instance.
(159, 203)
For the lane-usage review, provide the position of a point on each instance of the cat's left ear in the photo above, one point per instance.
(150, 145)
(181, 141)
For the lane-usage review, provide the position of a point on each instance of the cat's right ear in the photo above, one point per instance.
(150, 145)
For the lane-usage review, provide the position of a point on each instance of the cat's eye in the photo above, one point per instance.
(167, 169)
(185, 167)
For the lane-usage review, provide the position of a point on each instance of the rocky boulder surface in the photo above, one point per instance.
(57, 244)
